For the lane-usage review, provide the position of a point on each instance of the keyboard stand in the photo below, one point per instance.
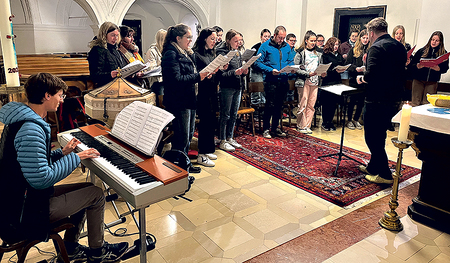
(141, 224)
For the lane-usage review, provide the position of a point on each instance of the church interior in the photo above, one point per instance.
(235, 212)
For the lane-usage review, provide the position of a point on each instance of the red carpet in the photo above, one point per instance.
(294, 159)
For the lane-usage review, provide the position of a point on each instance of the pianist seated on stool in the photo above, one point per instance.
(30, 171)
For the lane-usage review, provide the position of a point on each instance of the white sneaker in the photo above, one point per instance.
(204, 160)
(211, 156)
(234, 143)
(266, 134)
(216, 141)
(304, 131)
(308, 131)
(224, 145)
(357, 125)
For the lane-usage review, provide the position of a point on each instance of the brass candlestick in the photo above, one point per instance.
(391, 220)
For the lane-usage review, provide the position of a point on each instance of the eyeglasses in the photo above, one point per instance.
(62, 96)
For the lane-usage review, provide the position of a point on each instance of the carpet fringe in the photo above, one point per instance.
(384, 192)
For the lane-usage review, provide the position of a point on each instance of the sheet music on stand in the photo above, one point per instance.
(140, 125)
(339, 89)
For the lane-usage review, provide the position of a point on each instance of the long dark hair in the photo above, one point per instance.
(427, 47)
(201, 39)
(329, 46)
(308, 34)
(173, 32)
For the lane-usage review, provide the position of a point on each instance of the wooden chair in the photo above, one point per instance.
(252, 88)
(24, 246)
(246, 110)
(290, 104)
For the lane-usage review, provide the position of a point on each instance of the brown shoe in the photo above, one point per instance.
(363, 169)
(378, 180)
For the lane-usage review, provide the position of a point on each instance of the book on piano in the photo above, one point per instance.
(140, 125)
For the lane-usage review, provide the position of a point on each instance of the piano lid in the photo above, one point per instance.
(119, 88)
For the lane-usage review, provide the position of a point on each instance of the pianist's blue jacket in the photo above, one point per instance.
(31, 144)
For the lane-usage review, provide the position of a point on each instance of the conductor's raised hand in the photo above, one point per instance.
(89, 153)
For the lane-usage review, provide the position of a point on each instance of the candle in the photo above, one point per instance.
(404, 123)
(8, 46)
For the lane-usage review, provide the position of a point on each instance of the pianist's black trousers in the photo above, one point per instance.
(80, 201)
(377, 120)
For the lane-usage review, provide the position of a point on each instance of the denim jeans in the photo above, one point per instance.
(230, 99)
(183, 129)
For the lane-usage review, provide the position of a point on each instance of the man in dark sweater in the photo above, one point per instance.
(385, 74)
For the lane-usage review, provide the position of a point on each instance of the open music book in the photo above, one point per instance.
(140, 125)
(133, 67)
(431, 62)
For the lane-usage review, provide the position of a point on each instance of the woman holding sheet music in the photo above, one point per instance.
(180, 84)
(355, 58)
(104, 58)
(327, 99)
(231, 84)
(206, 97)
(426, 78)
(309, 59)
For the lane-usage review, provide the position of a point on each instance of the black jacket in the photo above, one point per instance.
(179, 79)
(356, 63)
(385, 70)
(207, 87)
(102, 61)
(427, 74)
(333, 77)
(228, 79)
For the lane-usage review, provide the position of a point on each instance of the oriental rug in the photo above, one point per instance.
(295, 159)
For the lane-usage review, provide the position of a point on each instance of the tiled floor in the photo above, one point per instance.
(238, 212)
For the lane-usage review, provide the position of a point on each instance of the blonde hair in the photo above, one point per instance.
(403, 30)
(358, 49)
(101, 38)
(159, 39)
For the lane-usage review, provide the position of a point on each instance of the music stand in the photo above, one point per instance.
(344, 91)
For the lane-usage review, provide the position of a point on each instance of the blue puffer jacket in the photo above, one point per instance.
(31, 145)
(275, 56)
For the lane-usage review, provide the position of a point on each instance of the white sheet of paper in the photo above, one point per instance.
(290, 68)
(217, 62)
(342, 67)
(322, 68)
(250, 62)
(248, 53)
(337, 89)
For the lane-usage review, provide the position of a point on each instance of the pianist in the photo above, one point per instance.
(30, 170)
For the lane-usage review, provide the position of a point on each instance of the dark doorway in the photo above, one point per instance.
(346, 19)
(136, 26)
